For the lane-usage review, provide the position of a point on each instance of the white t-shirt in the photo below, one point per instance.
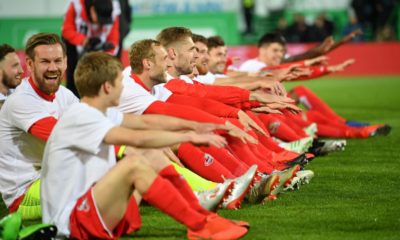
(134, 98)
(161, 92)
(4, 97)
(186, 79)
(74, 159)
(252, 65)
(209, 78)
(20, 152)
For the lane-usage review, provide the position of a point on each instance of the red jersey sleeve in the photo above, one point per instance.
(224, 94)
(42, 128)
(69, 31)
(284, 65)
(182, 111)
(208, 105)
(316, 71)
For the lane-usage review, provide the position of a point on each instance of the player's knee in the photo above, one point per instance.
(132, 164)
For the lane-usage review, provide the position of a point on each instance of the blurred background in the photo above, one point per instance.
(239, 22)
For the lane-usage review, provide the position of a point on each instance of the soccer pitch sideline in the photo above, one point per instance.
(354, 194)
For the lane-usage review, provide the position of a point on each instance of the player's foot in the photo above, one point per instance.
(38, 231)
(299, 146)
(293, 184)
(217, 227)
(305, 176)
(241, 186)
(212, 199)
(10, 229)
(311, 129)
(285, 179)
(10, 226)
(299, 160)
(381, 130)
(262, 188)
(323, 147)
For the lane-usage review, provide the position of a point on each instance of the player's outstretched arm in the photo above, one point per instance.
(158, 138)
(162, 122)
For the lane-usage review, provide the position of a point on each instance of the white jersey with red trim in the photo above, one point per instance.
(20, 152)
(209, 78)
(74, 159)
(186, 79)
(252, 65)
(134, 98)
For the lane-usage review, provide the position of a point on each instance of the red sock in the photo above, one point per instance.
(299, 119)
(325, 130)
(270, 144)
(279, 128)
(225, 158)
(163, 195)
(202, 163)
(313, 102)
(242, 152)
(183, 187)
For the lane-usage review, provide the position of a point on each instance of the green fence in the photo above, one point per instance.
(15, 31)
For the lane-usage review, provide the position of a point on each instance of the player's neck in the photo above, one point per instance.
(173, 72)
(3, 89)
(145, 77)
(262, 59)
(97, 102)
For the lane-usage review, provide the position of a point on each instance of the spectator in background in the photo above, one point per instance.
(90, 25)
(374, 14)
(298, 31)
(248, 10)
(125, 20)
(321, 29)
(282, 27)
(386, 34)
(351, 26)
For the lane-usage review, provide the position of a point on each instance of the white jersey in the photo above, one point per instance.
(74, 159)
(186, 79)
(4, 97)
(20, 152)
(252, 65)
(161, 92)
(134, 98)
(209, 78)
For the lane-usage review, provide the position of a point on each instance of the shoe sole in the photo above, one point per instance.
(39, 231)
(236, 203)
(263, 189)
(227, 194)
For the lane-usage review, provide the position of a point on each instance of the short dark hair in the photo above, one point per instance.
(171, 35)
(93, 70)
(269, 38)
(4, 50)
(140, 50)
(42, 39)
(199, 38)
(214, 42)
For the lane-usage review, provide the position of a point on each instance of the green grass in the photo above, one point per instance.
(354, 195)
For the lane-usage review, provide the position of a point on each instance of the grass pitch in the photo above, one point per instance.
(354, 194)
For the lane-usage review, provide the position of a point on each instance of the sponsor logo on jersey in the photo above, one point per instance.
(208, 159)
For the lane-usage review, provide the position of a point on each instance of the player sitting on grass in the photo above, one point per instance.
(26, 120)
(88, 194)
(272, 48)
(10, 71)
